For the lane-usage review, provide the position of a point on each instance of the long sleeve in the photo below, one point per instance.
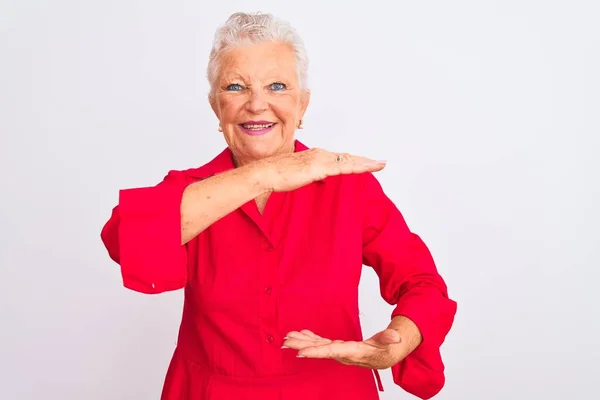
(143, 235)
(410, 281)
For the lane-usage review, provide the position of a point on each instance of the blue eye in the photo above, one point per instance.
(234, 87)
(277, 86)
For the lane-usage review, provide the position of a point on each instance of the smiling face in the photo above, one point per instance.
(258, 100)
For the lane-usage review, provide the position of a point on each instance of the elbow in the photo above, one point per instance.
(143, 236)
(110, 236)
(145, 270)
(146, 239)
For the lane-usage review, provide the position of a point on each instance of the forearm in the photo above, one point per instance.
(409, 333)
(209, 200)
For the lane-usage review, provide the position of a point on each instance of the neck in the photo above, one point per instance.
(240, 161)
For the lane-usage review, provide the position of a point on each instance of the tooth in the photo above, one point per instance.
(257, 126)
(263, 126)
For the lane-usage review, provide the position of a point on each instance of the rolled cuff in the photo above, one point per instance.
(421, 373)
(152, 258)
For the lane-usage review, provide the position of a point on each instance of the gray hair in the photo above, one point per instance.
(242, 28)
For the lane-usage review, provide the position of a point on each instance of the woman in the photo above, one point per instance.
(268, 240)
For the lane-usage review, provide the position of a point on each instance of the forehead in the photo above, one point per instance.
(259, 61)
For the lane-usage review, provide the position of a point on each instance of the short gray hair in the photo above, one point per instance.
(243, 28)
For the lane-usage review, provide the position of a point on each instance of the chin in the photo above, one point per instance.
(264, 146)
(260, 152)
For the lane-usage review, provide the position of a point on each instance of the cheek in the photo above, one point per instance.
(229, 110)
(287, 109)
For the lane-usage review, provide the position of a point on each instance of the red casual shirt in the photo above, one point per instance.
(251, 278)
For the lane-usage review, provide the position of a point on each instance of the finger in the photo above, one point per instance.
(344, 163)
(299, 335)
(363, 164)
(350, 164)
(385, 338)
(299, 344)
(334, 350)
(390, 336)
(338, 162)
(310, 334)
(302, 339)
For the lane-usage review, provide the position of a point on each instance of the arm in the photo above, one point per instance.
(207, 201)
(423, 313)
(409, 332)
(147, 231)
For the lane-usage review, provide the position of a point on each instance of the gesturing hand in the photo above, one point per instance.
(292, 171)
(381, 351)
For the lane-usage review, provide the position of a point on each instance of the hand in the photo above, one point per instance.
(381, 351)
(292, 171)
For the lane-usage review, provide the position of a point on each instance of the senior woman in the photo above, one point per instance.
(268, 240)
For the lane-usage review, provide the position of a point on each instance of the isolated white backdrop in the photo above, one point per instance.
(486, 110)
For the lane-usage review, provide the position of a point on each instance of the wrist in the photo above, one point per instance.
(408, 330)
(259, 175)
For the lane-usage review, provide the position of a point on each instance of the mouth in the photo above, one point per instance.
(257, 128)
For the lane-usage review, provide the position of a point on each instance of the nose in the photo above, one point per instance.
(257, 102)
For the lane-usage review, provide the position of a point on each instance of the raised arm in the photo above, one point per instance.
(147, 231)
(410, 281)
(149, 228)
(205, 202)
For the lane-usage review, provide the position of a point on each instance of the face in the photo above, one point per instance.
(258, 100)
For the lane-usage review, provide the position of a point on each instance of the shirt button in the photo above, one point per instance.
(268, 290)
(269, 247)
(270, 339)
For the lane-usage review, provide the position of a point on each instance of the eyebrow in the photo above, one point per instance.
(234, 76)
(273, 76)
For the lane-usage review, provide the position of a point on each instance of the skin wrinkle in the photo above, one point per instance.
(256, 67)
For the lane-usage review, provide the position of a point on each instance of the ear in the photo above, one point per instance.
(304, 102)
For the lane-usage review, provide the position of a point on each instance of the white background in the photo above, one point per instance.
(487, 112)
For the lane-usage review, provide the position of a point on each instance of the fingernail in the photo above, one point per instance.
(382, 161)
(300, 356)
(284, 347)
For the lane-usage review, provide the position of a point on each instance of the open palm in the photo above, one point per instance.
(380, 351)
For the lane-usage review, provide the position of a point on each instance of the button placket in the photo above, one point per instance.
(267, 305)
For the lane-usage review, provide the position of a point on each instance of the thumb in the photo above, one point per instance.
(388, 336)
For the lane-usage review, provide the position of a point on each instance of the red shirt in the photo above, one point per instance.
(251, 278)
